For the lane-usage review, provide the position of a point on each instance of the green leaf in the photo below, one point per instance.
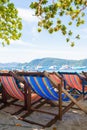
(72, 44)
(50, 13)
(39, 29)
(10, 23)
(70, 23)
(78, 36)
(50, 30)
(67, 39)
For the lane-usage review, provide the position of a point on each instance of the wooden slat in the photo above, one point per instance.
(74, 101)
(17, 77)
(71, 104)
(33, 109)
(85, 74)
(29, 73)
(60, 101)
(65, 91)
(32, 122)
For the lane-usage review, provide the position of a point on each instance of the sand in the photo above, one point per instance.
(72, 120)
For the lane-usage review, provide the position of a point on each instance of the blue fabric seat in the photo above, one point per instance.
(43, 87)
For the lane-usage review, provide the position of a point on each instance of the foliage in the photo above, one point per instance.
(10, 23)
(52, 13)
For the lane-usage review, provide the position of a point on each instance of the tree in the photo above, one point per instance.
(10, 23)
(52, 12)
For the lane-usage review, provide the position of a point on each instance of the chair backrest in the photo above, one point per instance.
(11, 87)
(85, 75)
(43, 87)
(74, 80)
(55, 77)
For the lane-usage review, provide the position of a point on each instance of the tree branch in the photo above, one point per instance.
(39, 7)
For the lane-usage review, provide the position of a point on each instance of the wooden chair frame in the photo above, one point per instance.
(60, 90)
(26, 96)
(85, 74)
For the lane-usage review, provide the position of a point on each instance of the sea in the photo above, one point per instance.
(26, 67)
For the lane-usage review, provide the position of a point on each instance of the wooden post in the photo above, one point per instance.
(60, 101)
(59, 86)
(85, 75)
(25, 96)
(4, 95)
(28, 98)
(27, 91)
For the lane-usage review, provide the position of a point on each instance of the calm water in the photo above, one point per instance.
(42, 68)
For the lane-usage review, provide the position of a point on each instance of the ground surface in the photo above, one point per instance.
(72, 120)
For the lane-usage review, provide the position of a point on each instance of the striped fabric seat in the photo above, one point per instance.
(13, 90)
(75, 81)
(43, 87)
(11, 87)
(55, 77)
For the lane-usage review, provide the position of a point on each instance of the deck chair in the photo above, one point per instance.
(75, 81)
(58, 78)
(9, 87)
(45, 86)
(85, 75)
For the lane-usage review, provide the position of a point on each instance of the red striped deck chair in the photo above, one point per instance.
(75, 81)
(11, 88)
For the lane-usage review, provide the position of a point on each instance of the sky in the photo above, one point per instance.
(33, 45)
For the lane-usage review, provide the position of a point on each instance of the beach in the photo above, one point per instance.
(43, 65)
(72, 120)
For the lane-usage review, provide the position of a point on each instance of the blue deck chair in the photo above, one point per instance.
(50, 89)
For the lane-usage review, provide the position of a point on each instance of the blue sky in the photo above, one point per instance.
(34, 45)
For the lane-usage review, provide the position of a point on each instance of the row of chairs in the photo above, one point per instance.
(38, 88)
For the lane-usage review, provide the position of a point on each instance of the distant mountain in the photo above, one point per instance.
(44, 63)
(57, 62)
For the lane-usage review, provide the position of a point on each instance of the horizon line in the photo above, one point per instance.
(40, 59)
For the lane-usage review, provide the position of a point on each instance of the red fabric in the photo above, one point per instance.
(74, 81)
(11, 87)
(34, 97)
(55, 78)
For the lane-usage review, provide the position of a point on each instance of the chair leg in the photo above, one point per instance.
(71, 105)
(60, 101)
(4, 96)
(75, 101)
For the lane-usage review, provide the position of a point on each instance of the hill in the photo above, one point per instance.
(57, 62)
(43, 63)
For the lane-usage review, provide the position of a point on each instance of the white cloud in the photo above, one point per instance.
(18, 45)
(58, 54)
(23, 52)
(35, 33)
(27, 15)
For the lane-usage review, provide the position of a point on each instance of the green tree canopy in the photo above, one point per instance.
(10, 23)
(52, 12)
